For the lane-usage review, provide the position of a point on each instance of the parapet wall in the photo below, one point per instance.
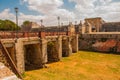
(97, 35)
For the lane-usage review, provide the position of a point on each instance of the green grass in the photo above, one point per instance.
(80, 66)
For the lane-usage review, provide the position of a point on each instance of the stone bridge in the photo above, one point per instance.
(31, 50)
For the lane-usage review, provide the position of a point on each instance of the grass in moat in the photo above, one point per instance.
(80, 66)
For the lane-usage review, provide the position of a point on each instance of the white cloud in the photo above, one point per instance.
(44, 6)
(48, 20)
(50, 9)
(5, 14)
(107, 9)
(34, 18)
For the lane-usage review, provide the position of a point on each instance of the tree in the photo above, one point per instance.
(7, 25)
(26, 26)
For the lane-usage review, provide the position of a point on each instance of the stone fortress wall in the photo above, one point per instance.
(95, 37)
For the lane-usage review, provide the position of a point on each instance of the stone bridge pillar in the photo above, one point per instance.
(74, 43)
(59, 47)
(44, 50)
(54, 49)
(66, 47)
(20, 55)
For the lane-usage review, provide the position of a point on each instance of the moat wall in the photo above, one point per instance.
(100, 43)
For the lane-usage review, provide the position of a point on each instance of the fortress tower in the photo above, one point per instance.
(96, 23)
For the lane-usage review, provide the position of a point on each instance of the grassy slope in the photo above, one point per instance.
(80, 66)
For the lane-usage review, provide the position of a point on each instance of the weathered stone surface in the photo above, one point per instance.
(6, 73)
(44, 50)
(20, 55)
(36, 50)
(52, 52)
(66, 47)
(95, 23)
(100, 44)
(3, 59)
(74, 44)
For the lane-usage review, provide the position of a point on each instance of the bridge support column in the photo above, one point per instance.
(54, 50)
(44, 50)
(20, 55)
(74, 43)
(59, 47)
(66, 48)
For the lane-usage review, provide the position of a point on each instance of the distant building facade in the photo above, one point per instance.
(96, 23)
(111, 27)
(90, 25)
(99, 25)
(62, 28)
(36, 27)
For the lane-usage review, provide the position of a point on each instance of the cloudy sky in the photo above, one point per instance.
(68, 10)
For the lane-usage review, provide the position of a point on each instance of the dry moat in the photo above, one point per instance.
(80, 66)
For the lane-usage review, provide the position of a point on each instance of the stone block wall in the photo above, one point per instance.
(100, 45)
(3, 59)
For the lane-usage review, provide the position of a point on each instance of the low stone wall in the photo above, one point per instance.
(85, 44)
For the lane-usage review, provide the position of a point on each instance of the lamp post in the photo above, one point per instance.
(0, 24)
(41, 24)
(61, 24)
(75, 23)
(41, 21)
(76, 26)
(58, 18)
(16, 10)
